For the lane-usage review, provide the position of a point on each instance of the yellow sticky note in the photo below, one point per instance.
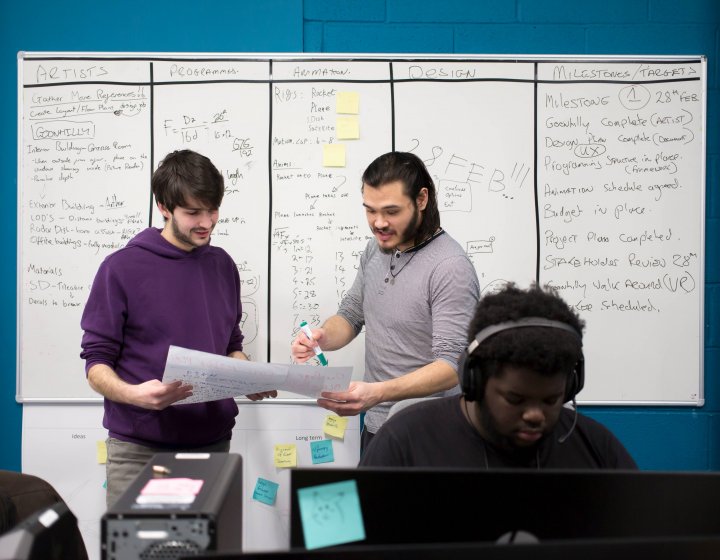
(335, 426)
(347, 128)
(285, 455)
(101, 452)
(347, 102)
(333, 155)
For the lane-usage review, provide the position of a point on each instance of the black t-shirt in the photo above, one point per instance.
(435, 433)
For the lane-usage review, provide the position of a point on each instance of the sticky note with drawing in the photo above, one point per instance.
(331, 514)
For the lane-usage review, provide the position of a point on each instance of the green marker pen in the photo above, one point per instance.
(318, 351)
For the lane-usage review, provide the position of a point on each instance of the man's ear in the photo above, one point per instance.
(164, 211)
(422, 199)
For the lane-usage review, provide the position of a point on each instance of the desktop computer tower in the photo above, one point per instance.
(164, 515)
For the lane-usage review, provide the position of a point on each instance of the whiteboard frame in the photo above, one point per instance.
(282, 57)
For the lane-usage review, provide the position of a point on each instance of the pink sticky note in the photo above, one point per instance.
(172, 487)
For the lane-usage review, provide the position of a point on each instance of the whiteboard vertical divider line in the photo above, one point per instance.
(392, 105)
(535, 171)
(152, 140)
(270, 206)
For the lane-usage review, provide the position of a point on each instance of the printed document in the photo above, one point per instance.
(216, 377)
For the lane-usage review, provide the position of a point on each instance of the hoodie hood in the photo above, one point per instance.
(151, 240)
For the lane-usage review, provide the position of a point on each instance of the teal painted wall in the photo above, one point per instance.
(659, 438)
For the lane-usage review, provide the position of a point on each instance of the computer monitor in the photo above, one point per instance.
(679, 548)
(414, 505)
(51, 533)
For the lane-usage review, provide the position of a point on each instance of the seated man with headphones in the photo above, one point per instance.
(523, 363)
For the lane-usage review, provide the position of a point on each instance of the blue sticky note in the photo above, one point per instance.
(330, 514)
(322, 451)
(265, 491)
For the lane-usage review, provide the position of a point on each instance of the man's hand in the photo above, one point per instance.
(156, 395)
(359, 397)
(302, 348)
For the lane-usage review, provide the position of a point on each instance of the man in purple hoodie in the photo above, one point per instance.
(165, 287)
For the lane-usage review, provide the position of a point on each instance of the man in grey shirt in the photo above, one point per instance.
(415, 293)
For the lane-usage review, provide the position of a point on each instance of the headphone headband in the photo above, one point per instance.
(487, 332)
(467, 376)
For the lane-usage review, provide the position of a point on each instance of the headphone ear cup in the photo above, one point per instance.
(579, 375)
(465, 376)
(571, 388)
(479, 382)
(576, 381)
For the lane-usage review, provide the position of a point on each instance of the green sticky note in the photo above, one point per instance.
(265, 491)
(322, 451)
(330, 514)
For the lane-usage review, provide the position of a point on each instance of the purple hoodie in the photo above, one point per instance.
(148, 296)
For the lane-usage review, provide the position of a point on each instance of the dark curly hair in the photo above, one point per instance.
(547, 351)
(412, 173)
(186, 174)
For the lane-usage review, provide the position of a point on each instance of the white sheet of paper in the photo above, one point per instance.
(216, 377)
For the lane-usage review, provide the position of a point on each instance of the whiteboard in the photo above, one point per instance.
(585, 173)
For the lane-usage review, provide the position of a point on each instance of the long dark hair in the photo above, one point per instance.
(411, 171)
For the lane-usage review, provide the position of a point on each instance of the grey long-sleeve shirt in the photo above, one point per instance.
(420, 315)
